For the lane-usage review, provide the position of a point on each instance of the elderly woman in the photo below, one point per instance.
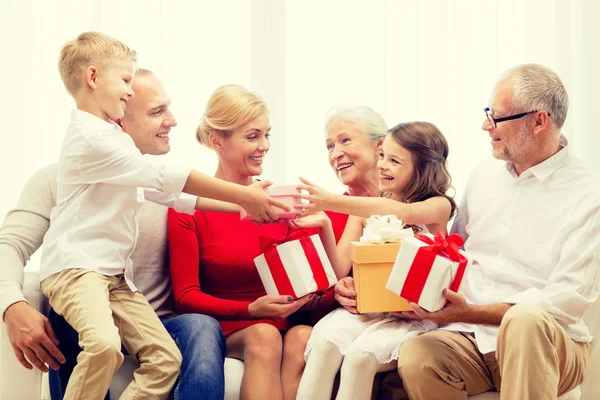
(353, 135)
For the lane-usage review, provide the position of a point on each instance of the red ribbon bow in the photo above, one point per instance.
(282, 281)
(423, 262)
(267, 242)
(447, 246)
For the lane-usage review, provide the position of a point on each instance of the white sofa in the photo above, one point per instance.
(17, 383)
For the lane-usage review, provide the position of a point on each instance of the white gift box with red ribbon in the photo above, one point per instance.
(425, 266)
(294, 266)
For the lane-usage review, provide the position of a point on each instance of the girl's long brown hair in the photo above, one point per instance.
(430, 150)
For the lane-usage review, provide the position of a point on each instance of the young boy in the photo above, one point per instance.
(86, 269)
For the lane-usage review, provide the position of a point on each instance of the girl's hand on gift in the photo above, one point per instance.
(318, 198)
(345, 294)
(275, 306)
(318, 220)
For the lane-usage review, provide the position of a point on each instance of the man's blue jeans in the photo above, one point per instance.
(199, 338)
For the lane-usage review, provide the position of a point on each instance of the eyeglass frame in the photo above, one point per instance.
(494, 121)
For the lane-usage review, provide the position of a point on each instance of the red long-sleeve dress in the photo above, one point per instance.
(212, 265)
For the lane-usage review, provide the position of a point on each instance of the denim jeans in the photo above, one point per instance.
(199, 338)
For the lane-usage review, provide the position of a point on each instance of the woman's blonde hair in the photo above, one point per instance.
(229, 107)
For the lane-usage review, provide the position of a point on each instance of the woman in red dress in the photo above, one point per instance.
(212, 256)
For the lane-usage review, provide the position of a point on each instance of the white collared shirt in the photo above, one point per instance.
(535, 239)
(99, 191)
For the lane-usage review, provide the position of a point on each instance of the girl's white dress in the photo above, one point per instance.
(379, 334)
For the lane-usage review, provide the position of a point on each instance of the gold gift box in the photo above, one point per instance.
(371, 268)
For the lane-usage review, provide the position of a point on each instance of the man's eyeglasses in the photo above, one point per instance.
(494, 121)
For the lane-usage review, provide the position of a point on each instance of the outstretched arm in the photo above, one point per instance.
(430, 211)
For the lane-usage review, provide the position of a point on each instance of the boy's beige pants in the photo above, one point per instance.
(104, 311)
(535, 360)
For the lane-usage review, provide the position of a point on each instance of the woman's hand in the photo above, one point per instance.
(345, 294)
(275, 306)
(319, 198)
(319, 299)
(318, 220)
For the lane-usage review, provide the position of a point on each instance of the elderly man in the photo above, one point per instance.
(532, 226)
(148, 120)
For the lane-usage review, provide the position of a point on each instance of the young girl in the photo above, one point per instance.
(413, 174)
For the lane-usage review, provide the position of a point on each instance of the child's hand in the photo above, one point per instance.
(318, 220)
(259, 204)
(319, 198)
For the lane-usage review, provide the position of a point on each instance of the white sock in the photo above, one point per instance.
(322, 366)
(358, 372)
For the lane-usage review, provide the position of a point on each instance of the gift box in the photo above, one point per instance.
(295, 265)
(372, 261)
(283, 193)
(425, 266)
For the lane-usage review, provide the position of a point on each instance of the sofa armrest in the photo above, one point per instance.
(16, 382)
(234, 370)
(591, 385)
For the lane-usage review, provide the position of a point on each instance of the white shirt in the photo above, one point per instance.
(94, 223)
(535, 239)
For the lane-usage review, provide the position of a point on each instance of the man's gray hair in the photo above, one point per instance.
(369, 121)
(539, 88)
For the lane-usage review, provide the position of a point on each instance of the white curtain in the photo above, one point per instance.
(434, 60)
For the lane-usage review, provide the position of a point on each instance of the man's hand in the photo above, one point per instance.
(407, 315)
(32, 338)
(345, 294)
(457, 311)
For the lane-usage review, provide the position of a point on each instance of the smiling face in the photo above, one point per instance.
(513, 140)
(352, 154)
(148, 119)
(113, 89)
(396, 166)
(243, 151)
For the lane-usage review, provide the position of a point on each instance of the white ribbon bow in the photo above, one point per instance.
(384, 229)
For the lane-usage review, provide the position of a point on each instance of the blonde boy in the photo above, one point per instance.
(86, 269)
